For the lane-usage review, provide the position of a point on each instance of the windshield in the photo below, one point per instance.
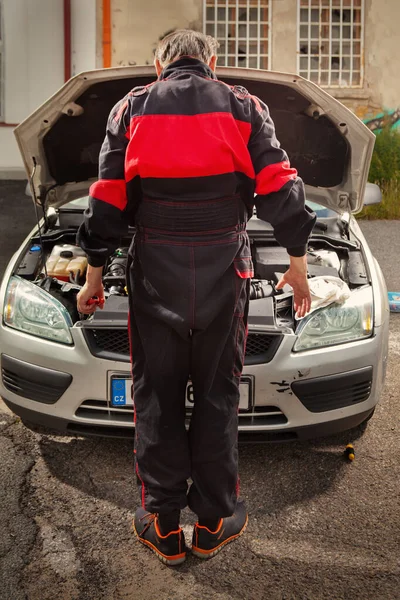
(321, 211)
(79, 203)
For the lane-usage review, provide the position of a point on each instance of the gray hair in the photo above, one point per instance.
(186, 42)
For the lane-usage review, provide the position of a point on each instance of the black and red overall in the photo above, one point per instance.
(183, 158)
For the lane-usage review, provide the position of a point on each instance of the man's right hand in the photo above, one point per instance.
(93, 288)
(296, 277)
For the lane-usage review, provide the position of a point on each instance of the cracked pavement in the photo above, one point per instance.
(319, 527)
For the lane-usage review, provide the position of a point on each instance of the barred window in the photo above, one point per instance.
(242, 28)
(330, 42)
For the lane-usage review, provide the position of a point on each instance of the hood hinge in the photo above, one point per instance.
(344, 201)
(42, 196)
(345, 220)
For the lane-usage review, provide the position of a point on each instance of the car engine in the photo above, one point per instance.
(66, 269)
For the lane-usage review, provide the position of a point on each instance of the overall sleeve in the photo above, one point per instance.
(105, 221)
(280, 192)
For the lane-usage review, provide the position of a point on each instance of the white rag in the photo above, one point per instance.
(326, 290)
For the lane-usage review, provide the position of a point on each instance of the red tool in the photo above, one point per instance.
(96, 300)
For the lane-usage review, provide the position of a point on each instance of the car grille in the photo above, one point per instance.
(101, 410)
(113, 344)
(334, 391)
(261, 348)
(114, 341)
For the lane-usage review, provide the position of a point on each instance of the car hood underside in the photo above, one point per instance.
(328, 145)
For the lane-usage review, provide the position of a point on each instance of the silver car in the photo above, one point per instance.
(301, 379)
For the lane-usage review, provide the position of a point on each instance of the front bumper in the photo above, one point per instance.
(286, 435)
(277, 413)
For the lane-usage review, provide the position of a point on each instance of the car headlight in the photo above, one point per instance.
(338, 323)
(32, 310)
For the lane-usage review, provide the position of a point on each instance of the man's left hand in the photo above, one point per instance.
(296, 277)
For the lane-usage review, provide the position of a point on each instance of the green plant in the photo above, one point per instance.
(389, 208)
(385, 164)
(385, 171)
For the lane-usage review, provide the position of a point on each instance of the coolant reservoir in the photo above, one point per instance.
(78, 265)
(65, 259)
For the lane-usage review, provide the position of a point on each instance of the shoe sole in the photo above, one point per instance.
(206, 554)
(170, 562)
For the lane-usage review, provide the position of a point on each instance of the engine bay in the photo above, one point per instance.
(58, 266)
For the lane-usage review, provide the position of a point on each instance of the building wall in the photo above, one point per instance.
(137, 26)
(83, 36)
(34, 50)
(382, 81)
(381, 89)
(11, 166)
(284, 36)
(33, 66)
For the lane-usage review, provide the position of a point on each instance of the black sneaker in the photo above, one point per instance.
(170, 548)
(207, 544)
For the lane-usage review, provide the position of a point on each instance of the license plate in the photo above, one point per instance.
(121, 394)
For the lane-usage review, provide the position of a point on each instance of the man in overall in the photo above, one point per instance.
(184, 157)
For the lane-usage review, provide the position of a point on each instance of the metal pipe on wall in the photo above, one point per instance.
(67, 40)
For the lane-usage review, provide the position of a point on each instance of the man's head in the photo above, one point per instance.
(186, 42)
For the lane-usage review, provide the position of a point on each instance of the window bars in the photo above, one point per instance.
(242, 28)
(331, 42)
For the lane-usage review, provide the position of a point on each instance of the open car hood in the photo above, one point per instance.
(329, 146)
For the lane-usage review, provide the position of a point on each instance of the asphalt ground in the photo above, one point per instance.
(319, 527)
